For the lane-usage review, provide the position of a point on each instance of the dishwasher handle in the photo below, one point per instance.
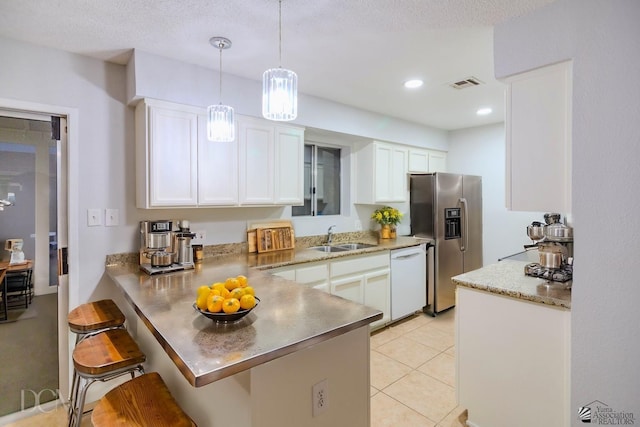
(415, 254)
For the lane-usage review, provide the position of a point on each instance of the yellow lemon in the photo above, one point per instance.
(217, 285)
(214, 303)
(224, 292)
(204, 289)
(215, 292)
(237, 293)
(231, 283)
(231, 305)
(249, 291)
(247, 302)
(201, 301)
(242, 280)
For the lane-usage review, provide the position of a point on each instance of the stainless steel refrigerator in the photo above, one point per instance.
(447, 208)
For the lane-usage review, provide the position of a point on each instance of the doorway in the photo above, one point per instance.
(32, 184)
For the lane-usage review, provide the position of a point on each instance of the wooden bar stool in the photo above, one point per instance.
(140, 402)
(94, 317)
(89, 319)
(101, 357)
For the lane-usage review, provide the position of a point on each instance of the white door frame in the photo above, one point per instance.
(68, 294)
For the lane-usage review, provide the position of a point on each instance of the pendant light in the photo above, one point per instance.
(279, 86)
(220, 123)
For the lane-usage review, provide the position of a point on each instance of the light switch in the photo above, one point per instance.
(94, 217)
(111, 217)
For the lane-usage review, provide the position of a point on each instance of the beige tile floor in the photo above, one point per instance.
(412, 377)
(413, 374)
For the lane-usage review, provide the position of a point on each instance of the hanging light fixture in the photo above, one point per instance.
(220, 123)
(279, 86)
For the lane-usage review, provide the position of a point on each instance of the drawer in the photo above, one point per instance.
(359, 263)
(313, 273)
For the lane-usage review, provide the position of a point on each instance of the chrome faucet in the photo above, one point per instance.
(330, 234)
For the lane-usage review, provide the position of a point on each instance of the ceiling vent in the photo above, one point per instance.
(468, 82)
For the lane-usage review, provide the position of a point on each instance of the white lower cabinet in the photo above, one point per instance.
(512, 359)
(364, 279)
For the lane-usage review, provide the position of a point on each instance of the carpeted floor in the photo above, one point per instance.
(29, 355)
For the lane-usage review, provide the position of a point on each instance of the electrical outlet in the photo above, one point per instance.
(200, 235)
(320, 392)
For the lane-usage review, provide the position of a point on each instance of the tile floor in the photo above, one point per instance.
(413, 374)
(412, 377)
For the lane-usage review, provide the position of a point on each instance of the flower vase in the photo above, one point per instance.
(385, 231)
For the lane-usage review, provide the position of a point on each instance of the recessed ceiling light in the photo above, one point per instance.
(412, 84)
(484, 111)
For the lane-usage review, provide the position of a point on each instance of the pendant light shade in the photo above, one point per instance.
(279, 94)
(279, 87)
(221, 125)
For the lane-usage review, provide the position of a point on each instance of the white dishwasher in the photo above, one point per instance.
(408, 281)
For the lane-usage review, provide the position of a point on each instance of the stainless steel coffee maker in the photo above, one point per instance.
(160, 247)
(183, 252)
(554, 241)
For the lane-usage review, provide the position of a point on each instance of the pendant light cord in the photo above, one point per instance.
(280, 33)
(220, 91)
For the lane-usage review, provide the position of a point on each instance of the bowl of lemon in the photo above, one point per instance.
(226, 301)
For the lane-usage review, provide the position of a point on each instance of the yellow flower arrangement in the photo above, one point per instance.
(387, 216)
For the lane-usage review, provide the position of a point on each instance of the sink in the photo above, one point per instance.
(355, 246)
(327, 248)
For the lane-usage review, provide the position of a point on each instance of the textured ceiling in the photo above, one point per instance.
(355, 52)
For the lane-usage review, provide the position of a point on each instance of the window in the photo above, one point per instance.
(321, 182)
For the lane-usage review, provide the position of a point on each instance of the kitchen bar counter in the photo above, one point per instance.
(289, 317)
(507, 278)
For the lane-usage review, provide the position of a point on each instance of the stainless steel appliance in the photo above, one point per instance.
(408, 276)
(555, 249)
(157, 248)
(183, 252)
(448, 209)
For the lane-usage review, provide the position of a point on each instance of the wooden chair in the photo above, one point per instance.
(94, 317)
(101, 357)
(144, 401)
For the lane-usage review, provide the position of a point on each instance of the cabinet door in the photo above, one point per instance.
(256, 160)
(538, 125)
(382, 173)
(399, 169)
(350, 287)
(172, 157)
(289, 166)
(437, 162)
(377, 293)
(418, 161)
(217, 169)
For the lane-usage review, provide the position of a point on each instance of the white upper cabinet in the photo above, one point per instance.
(381, 173)
(538, 138)
(177, 166)
(256, 142)
(217, 169)
(427, 161)
(166, 155)
(289, 165)
(271, 163)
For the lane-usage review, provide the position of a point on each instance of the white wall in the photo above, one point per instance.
(481, 151)
(602, 39)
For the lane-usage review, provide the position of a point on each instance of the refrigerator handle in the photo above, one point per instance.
(465, 229)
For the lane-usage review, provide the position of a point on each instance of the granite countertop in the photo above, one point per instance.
(507, 278)
(288, 318)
